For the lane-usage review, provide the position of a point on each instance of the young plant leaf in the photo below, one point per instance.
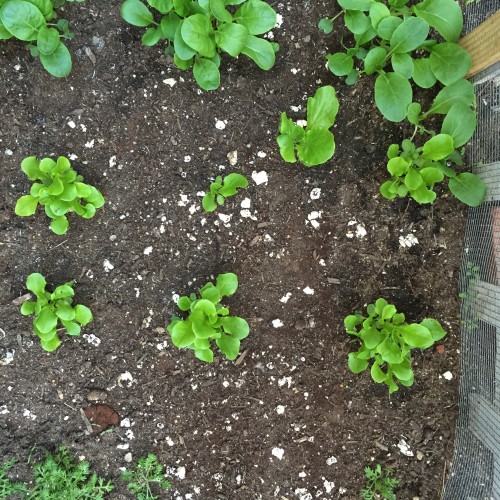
(229, 346)
(449, 62)
(409, 35)
(58, 63)
(257, 16)
(438, 147)
(317, 147)
(468, 188)
(136, 13)
(198, 34)
(21, 19)
(231, 38)
(460, 122)
(206, 74)
(340, 64)
(260, 51)
(393, 95)
(423, 75)
(443, 15)
(26, 205)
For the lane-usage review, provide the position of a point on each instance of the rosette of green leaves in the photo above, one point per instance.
(197, 31)
(27, 20)
(313, 144)
(60, 190)
(415, 170)
(52, 308)
(397, 34)
(387, 341)
(208, 320)
(222, 189)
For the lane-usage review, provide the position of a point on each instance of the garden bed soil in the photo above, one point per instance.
(289, 420)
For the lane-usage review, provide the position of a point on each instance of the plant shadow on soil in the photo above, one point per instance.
(219, 423)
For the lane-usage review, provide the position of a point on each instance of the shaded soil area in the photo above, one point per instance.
(289, 420)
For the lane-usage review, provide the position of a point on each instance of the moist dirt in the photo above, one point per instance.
(287, 420)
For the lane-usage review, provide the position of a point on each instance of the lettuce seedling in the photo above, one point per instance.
(28, 20)
(388, 340)
(60, 191)
(50, 308)
(197, 31)
(221, 189)
(313, 144)
(209, 320)
(398, 34)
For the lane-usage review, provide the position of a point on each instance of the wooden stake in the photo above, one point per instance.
(483, 44)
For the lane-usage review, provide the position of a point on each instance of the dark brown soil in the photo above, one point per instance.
(216, 426)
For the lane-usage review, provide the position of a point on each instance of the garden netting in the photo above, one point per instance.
(475, 473)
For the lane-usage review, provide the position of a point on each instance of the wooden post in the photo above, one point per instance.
(483, 44)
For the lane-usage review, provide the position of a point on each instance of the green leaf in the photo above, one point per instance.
(30, 167)
(26, 205)
(443, 15)
(83, 315)
(416, 336)
(59, 207)
(206, 74)
(351, 321)
(36, 283)
(461, 91)
(184, 303)
(169, 25)
(356, 4)
(326, 25)
(322, 108)
(257, 16)
(378, 12)
(365, 37)
(231, 38)
(198, 33)
(58, 63)
(50, 345)
(468, 188)
(22, 19)
(423, 195)
(183, 51)
(431, 175)
(393, 151)
(206, 306)
(449, 62)
(390, 351)
(208, 203)
(409, 35)
(232, 183)
(46, 321)
(95, 197)
(162, 6)
(356, 22)
(372, 337)
(375, 60)
(72, 328)
(64, 311)
(413, 179)
(204, 355)
(152, 36)
(136, 13)
(398, 166)
(387, 189)
(393, 95)
(388, 26)
(422, 73)
(62, 292)
(379, 306)
(229, 346)
(389, 311)
(402, 64)
(340, 64)
(218, 9)
(317, 147)
(47, 40)
(355, 364)
(377, 374)
(260, 51)
(210, 293)
(438, 147)
(227, 284)
(402, 370)
(460, 122)
(182, 334)
(434, 327)
(28, 308)
(236, 326)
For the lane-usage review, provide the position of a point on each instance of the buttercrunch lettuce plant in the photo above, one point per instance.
(60, 191)
(313, 144)
(29, 21)
(387, 342)
(52, 308)
(209, 320)
(197, 31)
(221, 189)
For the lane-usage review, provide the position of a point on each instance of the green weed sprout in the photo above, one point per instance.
(388, 340)
(8, 487)
(221, 189)
(147, 473)
(29, 21)
(50, 308)
(60, 477)
(60, 191)
(379, 483)
(208, 320)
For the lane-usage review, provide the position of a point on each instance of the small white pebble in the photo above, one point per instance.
(148, 250)
(278, 453)
(285, 298)
(260, 177)
(408, 241)
(315, 193)
(246, 203)
(277, 323)
(108, 266)
(170, 81)
(447, 375)
(220, 125)
(261, 154)
(187, 159)
(308, 291)
(331, 461)
(280, 409)
(71, 124)
(232, 157)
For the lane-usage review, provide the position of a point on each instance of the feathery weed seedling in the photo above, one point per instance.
(379, 482)
(221, 189)
(197, 31)
(388, 341)
(209, 320)
(50, 308)
(147, 474)
(8, 487)
(60, 191)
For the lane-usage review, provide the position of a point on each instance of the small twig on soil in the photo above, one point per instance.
(58, 245)
(69, 406)
(443, 481)
(241, 358)
(155, 380)
(86, 421)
